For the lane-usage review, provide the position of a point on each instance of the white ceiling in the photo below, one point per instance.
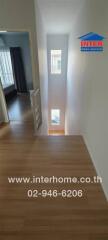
(59, 15)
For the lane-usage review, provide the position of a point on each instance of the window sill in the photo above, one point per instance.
(9, 89)
(8, 86)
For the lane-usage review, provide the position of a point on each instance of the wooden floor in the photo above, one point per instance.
(19, 109)
(22, 154)
(56, 132)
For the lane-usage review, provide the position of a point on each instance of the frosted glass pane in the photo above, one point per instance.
(55, 116)
(6, 73)
(56, 61)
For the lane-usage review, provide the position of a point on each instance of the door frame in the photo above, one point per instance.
(31, 58)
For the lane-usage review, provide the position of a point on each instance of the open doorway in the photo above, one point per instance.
(16, 75)
(56, 122)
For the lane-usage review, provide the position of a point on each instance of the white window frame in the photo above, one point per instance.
(56, 56)
(52, 117)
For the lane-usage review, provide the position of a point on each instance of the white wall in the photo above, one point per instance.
(95, 125)
(43, 73)
(87, 98)
(75, 72)
(57, 82)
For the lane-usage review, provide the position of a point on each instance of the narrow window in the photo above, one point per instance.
(55, 116)
(6, 73)
(56, 61)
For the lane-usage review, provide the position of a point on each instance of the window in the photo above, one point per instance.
(55, 117)
(6, 73)
(56, 61)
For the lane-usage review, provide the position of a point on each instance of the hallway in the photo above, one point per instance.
(52, 218)
(54, 149)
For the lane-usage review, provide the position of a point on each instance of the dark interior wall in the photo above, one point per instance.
(21, 40)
